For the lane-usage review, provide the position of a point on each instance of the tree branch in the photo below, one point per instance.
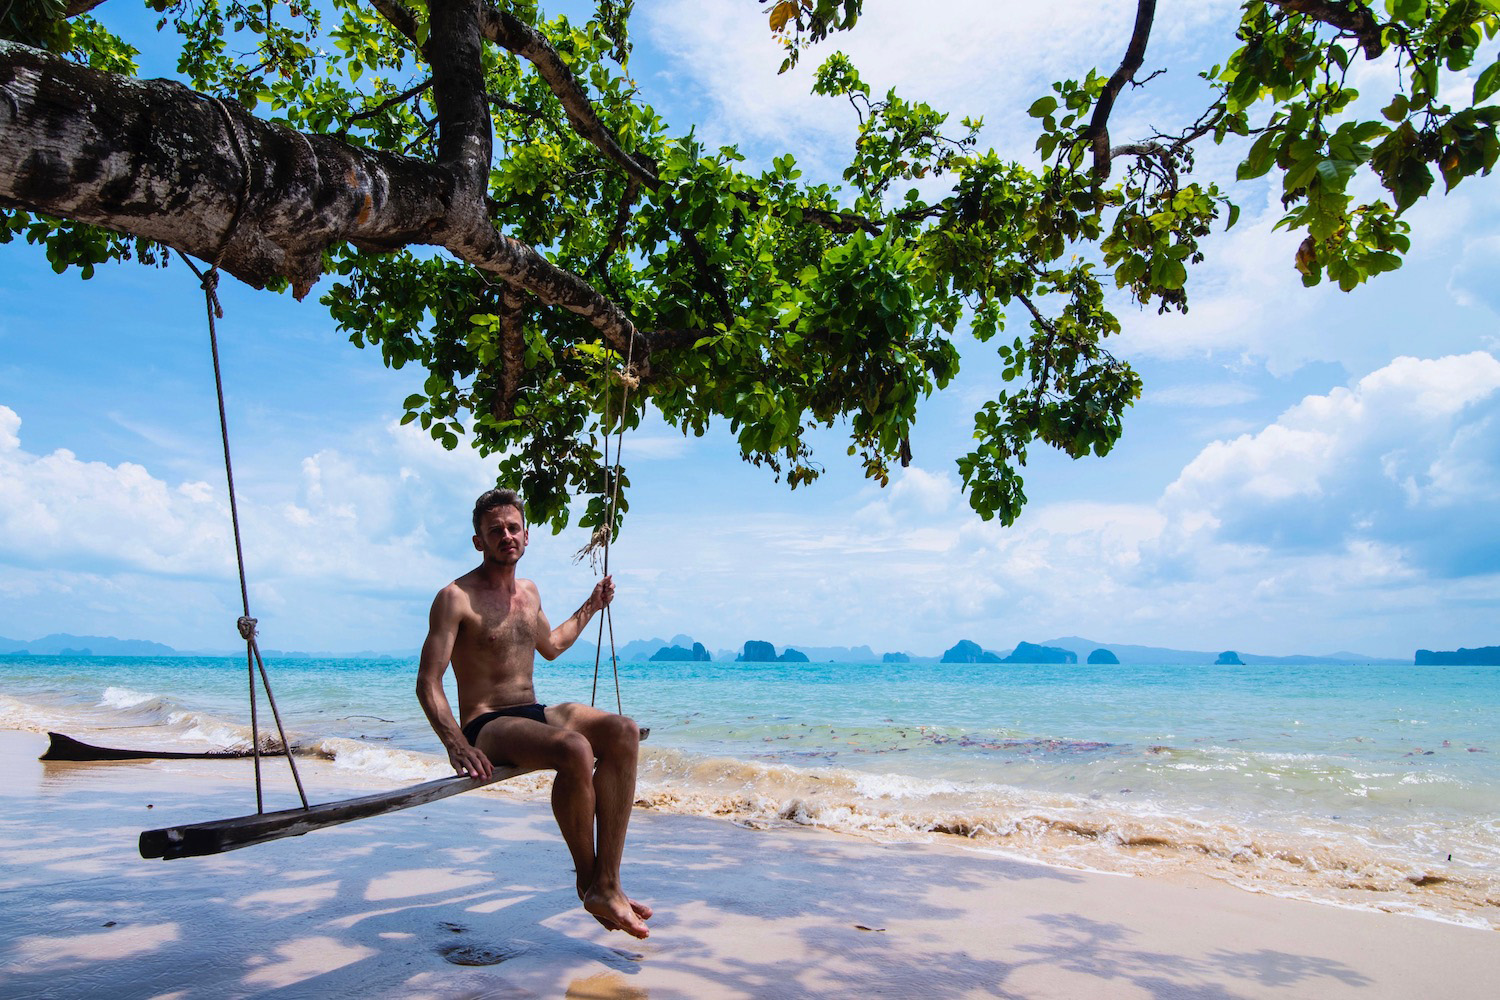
(511, 33)
(399, 18)
(465, 132)
(1097, 134)
(617, 232)
(77, 7)
(512, 353)
(405, 95)
(151, 158)
(1353, 18)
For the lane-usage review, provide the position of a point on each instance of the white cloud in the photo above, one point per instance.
(325, 549)
(967, 57)
(1346, 522)
(1404, 459)
(57, 506)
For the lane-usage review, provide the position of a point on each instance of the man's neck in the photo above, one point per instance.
(497, 576)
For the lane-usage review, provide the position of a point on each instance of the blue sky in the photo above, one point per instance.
(1307, 471)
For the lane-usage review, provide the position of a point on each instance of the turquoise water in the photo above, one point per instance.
(1367, 785)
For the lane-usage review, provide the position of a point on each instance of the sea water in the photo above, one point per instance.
(1371, 786)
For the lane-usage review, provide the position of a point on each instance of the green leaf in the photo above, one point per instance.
(1488, 82)
(1262, 155)
(1043, 107)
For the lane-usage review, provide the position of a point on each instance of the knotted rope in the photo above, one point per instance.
(246, 625)
(604, 533)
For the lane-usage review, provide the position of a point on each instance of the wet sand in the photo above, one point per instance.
(471, 897)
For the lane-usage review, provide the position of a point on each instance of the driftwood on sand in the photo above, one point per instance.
(61, 747)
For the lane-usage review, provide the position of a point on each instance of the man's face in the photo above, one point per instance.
(502, 535)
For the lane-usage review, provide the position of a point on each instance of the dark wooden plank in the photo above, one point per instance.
(63, 747)
(218, 836)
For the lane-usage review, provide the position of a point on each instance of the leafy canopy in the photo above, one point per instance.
(779, 305)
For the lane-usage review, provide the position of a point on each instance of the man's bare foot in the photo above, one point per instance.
(616, 912)
(640, 909)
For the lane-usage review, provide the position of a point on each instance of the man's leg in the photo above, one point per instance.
(527, 743)
(615, 741)
(575, 801)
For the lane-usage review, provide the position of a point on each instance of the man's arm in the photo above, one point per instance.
(437, 651)
(552, 642)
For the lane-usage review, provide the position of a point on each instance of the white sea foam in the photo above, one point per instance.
(382, 762)
(1322, 860)
(26, 717)
(119, 697)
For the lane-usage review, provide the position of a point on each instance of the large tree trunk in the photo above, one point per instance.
(152, 158)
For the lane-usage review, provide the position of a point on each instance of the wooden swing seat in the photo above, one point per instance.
(217, 836)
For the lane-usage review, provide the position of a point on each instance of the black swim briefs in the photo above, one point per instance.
(534, 712)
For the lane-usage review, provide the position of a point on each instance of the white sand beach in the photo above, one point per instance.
(471, 897)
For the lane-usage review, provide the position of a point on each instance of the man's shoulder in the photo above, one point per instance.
(458, 592)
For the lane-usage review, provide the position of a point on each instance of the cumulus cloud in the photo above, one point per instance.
(1346, 522)
(59, 507)
(346, 535)
(967, 57)
(1404, 459)
(1370, 503)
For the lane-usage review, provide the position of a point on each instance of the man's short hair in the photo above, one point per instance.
(490, 499)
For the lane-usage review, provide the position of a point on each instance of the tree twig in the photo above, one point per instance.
(1097, 134)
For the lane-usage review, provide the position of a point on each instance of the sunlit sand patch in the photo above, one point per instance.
(344, 923)
(47, 855)
(466, 855)
(604, 986)
(75, 951)
(422, 882)
(495, 905)
(277, 903)
(310, 874)
(302, 959)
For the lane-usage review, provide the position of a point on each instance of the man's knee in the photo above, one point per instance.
(572, 752)
(621, 735)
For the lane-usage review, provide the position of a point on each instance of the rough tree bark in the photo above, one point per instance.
(152, 158)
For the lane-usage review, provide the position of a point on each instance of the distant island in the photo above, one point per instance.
(1229, 658)
(763, 652)
(63, 644)
(1484, 656)
(668, 653)
(684, 648)
(969, 651)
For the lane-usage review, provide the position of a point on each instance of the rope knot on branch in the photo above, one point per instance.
(247, 627)
(210, 286)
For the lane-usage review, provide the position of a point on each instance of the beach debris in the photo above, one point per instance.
(477, 954)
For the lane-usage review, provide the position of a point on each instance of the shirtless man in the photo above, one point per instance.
(489, 624)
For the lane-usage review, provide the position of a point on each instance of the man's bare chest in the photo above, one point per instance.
(501, 624)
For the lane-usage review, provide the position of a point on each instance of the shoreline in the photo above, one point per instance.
(472, 897)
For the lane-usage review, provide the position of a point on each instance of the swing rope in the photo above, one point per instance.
(246, 625)
(604, 533)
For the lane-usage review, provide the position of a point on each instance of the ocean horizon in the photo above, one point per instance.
(1360, 785)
